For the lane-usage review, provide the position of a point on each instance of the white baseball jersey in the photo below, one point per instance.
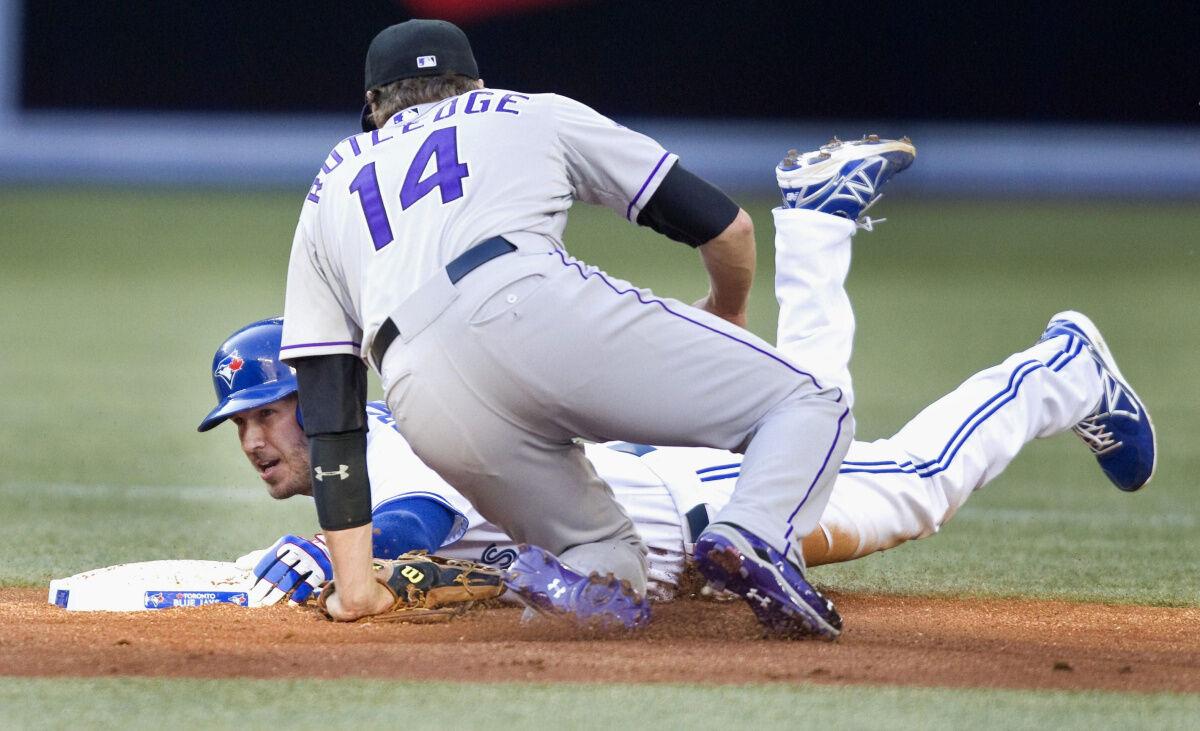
(389, 208)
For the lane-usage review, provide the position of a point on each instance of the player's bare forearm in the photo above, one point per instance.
(358, 593)
(730, 261)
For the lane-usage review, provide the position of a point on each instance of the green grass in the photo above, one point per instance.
(56, 530)
(317, 704)
(115, 301)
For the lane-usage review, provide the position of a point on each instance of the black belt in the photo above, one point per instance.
(463, 264)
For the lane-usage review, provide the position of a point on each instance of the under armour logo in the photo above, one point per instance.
(763, 601)
(556, 588)
(342, 472)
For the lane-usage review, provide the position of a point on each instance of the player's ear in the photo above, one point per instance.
(479, 83)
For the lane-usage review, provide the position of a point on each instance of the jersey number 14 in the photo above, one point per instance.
(442, 147)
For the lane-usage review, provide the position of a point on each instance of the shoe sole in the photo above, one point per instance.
(1100, 347)
(786, 615)
(600, 592)
(847, 152)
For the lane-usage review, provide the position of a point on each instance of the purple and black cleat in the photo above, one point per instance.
(545, 584)
(736, 560)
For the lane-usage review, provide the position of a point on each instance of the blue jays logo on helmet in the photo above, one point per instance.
(247, 372)
(228, 368)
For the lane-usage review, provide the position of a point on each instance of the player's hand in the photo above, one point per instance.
(737, 318)
(374, 598)
(294, 566)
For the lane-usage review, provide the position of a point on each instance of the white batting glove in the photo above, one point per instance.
(294, 567)
(250, 560)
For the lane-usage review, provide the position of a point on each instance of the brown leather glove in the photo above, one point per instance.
(425, 587)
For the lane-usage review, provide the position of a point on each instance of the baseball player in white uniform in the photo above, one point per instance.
(887, 491)
(431, 248)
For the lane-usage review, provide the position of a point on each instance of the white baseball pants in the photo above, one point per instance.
(906, 486)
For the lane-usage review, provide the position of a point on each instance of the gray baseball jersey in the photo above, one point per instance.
(492, 377)
(389, 208)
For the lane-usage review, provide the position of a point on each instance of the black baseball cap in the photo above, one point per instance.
(419, 48)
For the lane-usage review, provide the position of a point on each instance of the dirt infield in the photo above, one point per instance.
(889, 640)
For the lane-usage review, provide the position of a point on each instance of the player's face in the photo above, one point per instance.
(275, 444)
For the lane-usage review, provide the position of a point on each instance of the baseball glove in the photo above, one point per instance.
(427, 588)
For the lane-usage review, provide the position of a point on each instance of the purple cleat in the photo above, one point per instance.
(735, 559)
(544, 584)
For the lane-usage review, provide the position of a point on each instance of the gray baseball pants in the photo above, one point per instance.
(493, 379)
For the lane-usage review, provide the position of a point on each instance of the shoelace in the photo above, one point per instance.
(865, 222)
(1096, 435)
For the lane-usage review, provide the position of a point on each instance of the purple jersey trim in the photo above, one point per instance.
(320, 345)
(836, 436)
(661, 160)
(655, 301)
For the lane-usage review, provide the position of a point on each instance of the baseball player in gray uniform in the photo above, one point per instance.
(887, 492)
(431, 248)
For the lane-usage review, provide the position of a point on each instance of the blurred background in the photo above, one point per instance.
(1017, 98)
(154, 156)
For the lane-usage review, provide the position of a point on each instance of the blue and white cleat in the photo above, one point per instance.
(736, 560)
(1119, 432)
(843, 178)
(546, 585)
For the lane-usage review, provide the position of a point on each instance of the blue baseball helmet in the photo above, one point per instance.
(247, 372)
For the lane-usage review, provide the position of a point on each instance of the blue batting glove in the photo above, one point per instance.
(295, 566)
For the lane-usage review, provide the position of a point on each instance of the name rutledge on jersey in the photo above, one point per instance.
(481, 101)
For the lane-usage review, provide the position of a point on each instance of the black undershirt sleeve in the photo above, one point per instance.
(333, 398)
(687, 208)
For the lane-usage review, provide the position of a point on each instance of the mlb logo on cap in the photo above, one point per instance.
(437, 47)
